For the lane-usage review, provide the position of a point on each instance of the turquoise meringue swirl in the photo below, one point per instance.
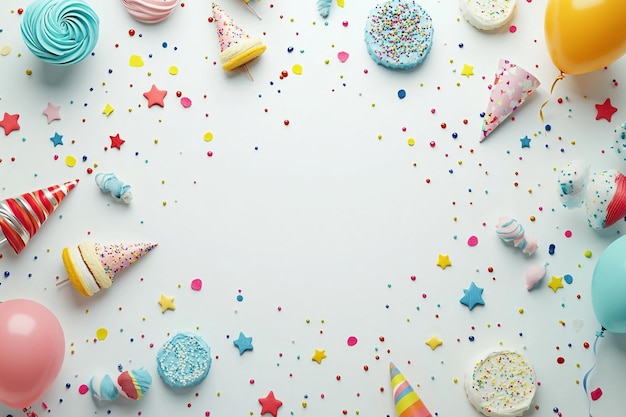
(60, 32)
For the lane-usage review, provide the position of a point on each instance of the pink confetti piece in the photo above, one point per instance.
(352, 340)
(83, 389)
(472, 241)
(343, 56)
(196, 284)
(596, 394)
(185, 102)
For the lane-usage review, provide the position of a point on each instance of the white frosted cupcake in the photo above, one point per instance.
(502, 384)
(487, 14)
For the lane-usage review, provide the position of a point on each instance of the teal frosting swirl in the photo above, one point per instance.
(60, 32)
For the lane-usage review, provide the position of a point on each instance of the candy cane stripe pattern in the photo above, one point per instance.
(22, 216)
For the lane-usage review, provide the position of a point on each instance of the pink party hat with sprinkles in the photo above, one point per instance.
(236, 46)
(408, 403)
(511, 88)
(21, 217)
(93, 266)
(228, 32)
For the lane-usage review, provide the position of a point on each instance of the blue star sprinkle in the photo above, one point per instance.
(525, 142)
(243, 343)
(473, 296)
(57, 139)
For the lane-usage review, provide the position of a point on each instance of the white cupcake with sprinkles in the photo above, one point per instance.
(399, 34)
(487, 15)
(502, 384)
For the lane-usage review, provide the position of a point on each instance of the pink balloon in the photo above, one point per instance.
(32, 348)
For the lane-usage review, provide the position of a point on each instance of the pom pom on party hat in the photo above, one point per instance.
(511, 87)
(93, 266)
(131, 384)
(237, 47)
(408, 403)
(22, 216)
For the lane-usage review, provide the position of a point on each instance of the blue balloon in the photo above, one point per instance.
(608, 287)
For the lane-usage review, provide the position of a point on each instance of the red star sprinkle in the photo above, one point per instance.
(116, 141)
(155, 96)
(605, 110)
(270, 404)
(9, 123)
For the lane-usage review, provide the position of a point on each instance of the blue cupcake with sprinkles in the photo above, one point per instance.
(399, 34)
(184, 360)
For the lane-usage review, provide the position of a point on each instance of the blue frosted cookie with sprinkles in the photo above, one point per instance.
(184, 360)
(487, 15)
(399, 34)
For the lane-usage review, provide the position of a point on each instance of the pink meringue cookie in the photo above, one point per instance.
(534, 274)
(150, 11)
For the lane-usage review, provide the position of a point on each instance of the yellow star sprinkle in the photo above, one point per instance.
(443, 261)
(319, 355)
(434, 342)
(468, 70)
(108, 109)
(167, 303)
(556, 283)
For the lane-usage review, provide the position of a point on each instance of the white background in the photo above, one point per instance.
(320, 224)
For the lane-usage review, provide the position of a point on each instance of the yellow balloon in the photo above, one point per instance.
(585, 35)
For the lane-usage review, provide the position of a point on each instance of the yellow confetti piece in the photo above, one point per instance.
(70, 161)
(135, 61)
(434, 342)
(297, 69)
(5, 50)
(208, 136)
(173, 70)
(102, 333)
(108, 109)
(411, 141)
(340, 3)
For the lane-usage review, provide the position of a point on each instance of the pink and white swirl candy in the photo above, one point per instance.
(510, 230)
(150, 11)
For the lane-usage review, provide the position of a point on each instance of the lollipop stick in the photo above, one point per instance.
(248, 72)
(63, 281)
(252, 9)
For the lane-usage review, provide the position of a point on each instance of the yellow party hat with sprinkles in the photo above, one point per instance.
(408, 403)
